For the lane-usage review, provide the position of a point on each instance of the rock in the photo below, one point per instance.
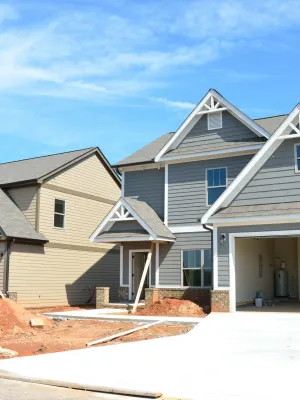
(36, 322)
(8, 353)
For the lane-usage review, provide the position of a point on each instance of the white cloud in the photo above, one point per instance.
(175, 104)
(90, 53)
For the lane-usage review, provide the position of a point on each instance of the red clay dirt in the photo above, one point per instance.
(14, 317)
(174, 308)
(17, 334)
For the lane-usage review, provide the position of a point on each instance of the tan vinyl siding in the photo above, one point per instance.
(2, 248)
(89, 176)
(50, 276)
(25, 199)
(81, 219)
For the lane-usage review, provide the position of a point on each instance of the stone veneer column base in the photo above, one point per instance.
(123, 293)
(220, 301)
(102, 296)
(200, 296)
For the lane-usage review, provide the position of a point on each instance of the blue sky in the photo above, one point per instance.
(119, 73)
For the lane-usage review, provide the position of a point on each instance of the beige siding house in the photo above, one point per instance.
(52, 204)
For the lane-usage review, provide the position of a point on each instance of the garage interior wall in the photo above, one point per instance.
(270, 252)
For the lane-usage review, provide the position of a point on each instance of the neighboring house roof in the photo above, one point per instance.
(13, 223)
(139, 211)
(39, 168)
(148, 153)
(288, 124)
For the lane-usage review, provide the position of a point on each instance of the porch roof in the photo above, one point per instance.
(132, 220)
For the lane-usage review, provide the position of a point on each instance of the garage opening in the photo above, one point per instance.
(267, 268)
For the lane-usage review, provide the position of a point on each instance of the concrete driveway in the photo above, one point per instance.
(226, 356)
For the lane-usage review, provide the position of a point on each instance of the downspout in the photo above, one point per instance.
(6, 267)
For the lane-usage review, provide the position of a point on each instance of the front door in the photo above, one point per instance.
(138, 263)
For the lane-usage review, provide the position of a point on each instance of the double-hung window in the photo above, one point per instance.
(216, 183)
(297, 157)
(59, 213)
(196, 268)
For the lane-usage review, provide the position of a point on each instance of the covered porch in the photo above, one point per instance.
(139, 231)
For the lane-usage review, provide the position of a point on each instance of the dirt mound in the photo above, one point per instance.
(173, 307)
(15, 317)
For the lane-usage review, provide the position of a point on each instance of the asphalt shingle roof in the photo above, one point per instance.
(34, 168)
(13, 222)
(147, 153)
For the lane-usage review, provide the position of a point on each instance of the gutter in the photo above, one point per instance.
(6, 267)
(212, 244)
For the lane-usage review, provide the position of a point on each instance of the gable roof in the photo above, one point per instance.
(196, 114)
(255, 164)
(143, 214)
(34, 170)
(148, 153)
(13, 222)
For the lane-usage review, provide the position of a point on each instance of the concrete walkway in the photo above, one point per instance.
(226, 356)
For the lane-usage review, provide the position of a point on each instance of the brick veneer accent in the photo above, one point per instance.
(220, 301)
(102, 296)
(197, 295)
(123, 293)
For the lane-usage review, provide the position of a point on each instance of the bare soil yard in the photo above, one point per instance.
(17, 334)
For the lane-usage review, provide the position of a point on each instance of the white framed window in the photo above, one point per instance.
(59, 214)
(196, 268)
(214, 120)
(297, 157)
(216, 183)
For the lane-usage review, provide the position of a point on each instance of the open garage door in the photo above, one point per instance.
(267, 267)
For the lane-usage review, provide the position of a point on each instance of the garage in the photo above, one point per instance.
(267, 267)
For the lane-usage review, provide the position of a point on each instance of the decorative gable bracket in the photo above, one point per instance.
(121, 214)
(294, 130)
(211, 106)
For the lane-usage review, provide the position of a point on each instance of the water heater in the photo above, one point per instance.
(281, 283)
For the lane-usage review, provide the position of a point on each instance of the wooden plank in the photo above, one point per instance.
(117, 335)
(147, 264)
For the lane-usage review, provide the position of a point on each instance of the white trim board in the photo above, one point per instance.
(166, 195)
(187, 228)
(270, 219)
(195, 115)
(232, 266)
(252, 167)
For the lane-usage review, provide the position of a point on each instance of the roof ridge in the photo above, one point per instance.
(48, 155)
(271, 116)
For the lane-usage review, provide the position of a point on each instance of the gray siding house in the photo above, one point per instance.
(218, 197)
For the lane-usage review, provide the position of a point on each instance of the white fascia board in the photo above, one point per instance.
(107, 219)
(194, 117)
(251, 168)
(270, 219)
(187, 228)
(121, 240)
(207, 154)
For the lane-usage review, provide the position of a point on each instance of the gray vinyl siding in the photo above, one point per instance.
(170, 255)
(136, 246)
(233, 131)
(148, 186)
(126, 226)
(276, 181)
(223, 248)
(187, 187)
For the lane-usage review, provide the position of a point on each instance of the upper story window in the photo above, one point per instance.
(297, 157)
(196, 268)
(214, 120)
(216, 183)
(59, 213)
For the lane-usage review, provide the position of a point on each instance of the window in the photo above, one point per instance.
(216, 183)
(297, 157)
(59, 213)
(214, 121)
(196, 268)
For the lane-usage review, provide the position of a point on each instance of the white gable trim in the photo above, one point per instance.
(253, 166)
(203, 108)
(110, 217)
